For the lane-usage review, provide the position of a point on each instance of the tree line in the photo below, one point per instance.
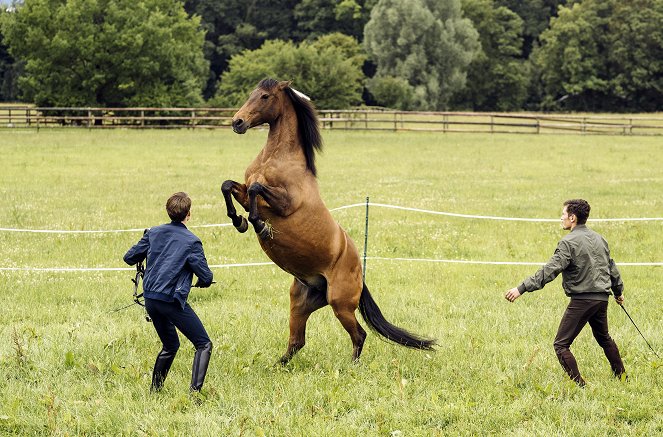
(484, 55)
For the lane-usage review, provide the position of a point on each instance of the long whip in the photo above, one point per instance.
(636, 327)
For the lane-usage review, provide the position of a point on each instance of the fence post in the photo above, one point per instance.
(142, 118)
(492, 124)
(89, 118)
(193, 119)
(538, 125)
(27, 116)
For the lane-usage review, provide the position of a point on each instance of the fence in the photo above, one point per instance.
(371, 119)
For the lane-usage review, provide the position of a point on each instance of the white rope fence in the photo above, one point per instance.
(259, 264)
(340, 208)
(355, 205)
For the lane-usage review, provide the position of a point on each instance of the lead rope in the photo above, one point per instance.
(140, 274)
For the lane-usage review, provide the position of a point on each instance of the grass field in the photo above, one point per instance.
(70, 366)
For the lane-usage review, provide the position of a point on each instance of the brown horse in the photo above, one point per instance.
(295, 228)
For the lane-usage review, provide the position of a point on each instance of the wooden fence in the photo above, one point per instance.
(211, 118)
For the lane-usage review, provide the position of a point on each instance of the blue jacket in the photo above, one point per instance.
(173, 255)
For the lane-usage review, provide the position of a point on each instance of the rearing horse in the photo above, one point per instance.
(295, 228)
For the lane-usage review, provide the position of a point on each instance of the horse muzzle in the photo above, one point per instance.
(240, 126)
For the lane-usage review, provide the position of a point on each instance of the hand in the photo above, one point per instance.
(620, 299)
(512, 295)
(198, 284)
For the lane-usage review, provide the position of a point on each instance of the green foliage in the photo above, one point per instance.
(328, 70)
(425, 42)
(636, 54)
(107, 52)
(604, 55)
(497, 78)
(536, 16)
(391, 92)
(6, 66)
(232, 26)
(320, 17)
(71, 367)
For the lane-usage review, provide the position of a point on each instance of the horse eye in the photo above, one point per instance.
(265, 96)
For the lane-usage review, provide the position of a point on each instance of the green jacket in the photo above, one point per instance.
(583, 259)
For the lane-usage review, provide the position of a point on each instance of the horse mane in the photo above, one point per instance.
(307, 120)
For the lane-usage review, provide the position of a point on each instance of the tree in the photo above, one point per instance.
(319, 17)
(232, 26)
(497, 78)
(392, 92)
(107, 52)
(425, 42)
(635, 39)
(604, 56)
(8, 70)
(329, 72)
(536, 15)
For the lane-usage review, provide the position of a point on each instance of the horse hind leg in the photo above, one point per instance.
(304, 300)
(344, 311)
(227, 189)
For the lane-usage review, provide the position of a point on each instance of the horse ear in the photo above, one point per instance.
(284, 84)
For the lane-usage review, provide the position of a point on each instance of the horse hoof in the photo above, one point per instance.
(243, 226)
(267, 232)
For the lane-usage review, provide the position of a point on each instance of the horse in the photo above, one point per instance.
(294, 227)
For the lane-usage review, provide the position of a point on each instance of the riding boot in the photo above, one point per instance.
(569, 364)
(615, 360)
(199, 368)
(161, 368)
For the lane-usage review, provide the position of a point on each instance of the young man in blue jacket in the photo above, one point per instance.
(589, 277)
(173, 255)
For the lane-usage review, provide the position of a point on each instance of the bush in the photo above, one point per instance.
(328, 73)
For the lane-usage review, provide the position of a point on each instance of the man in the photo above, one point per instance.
(173, 255)
(588, 276)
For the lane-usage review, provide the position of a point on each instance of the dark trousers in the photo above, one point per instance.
(166, 316)
(577, 315)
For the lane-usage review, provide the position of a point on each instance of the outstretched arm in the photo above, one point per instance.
(138, 252)
(559, 261)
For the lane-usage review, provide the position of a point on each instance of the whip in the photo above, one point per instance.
(636, 327)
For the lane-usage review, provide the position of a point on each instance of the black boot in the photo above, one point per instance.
(161, 368)
(200, 363)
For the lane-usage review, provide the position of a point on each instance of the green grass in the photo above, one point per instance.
(69, 366)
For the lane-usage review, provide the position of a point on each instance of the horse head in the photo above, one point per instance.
(269, 101)
(264, 105)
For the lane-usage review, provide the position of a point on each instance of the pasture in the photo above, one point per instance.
(71, 366)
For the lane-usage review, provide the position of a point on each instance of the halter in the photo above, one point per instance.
(140, 274)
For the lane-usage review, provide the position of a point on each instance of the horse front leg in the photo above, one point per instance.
(277, 199)
(231, 188)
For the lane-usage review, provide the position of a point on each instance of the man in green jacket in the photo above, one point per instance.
(588, 276)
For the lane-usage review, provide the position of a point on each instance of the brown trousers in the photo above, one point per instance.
(577, 315)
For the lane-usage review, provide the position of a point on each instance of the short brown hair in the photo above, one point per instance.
(178, 206)
(578, 207)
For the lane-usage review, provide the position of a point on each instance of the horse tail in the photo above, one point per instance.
(373, 316)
